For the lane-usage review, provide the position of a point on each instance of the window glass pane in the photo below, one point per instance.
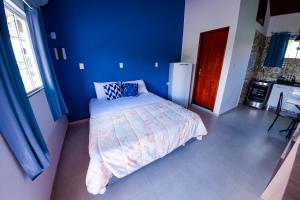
(23, 50)
(293, 50)
(14, 39)
(26, 80)
(28, 53)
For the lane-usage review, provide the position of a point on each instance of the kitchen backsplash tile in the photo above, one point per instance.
(256, 69)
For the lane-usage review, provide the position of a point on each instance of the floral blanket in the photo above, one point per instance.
(124, 141)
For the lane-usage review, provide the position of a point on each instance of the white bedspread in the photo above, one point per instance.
(102, 107)
(128, 133)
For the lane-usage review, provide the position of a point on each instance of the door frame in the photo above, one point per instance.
(197, 61)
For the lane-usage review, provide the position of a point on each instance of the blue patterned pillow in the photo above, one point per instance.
(130, 89)
(113, 91)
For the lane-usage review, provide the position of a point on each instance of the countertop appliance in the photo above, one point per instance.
(258, 94)
(286, 80)
(180, 77)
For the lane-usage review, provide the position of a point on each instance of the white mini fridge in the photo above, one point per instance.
(180, 78)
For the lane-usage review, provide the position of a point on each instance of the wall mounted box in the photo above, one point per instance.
(60, 53)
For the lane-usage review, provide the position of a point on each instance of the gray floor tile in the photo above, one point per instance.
(234, 161)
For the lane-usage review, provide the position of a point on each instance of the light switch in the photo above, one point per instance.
(81, 66)
(53, 35)
(121, 65)
(156, 64)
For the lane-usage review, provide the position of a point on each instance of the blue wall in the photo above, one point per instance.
(102, 33)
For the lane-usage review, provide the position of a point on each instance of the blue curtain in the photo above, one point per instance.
(17, 121)
(55, 99)
(36, 3)
(276, 50)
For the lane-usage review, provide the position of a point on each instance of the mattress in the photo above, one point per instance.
(131, 132)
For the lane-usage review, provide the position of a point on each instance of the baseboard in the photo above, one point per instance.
(79, 121)
(228, 110)
(195, 106)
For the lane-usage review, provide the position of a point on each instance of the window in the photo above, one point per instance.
(22, 47)
(293, 49)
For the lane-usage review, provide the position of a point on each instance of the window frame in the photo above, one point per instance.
(19, 12)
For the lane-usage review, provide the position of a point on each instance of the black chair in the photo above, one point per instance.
(285, 114)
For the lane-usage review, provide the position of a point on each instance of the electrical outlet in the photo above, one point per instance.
(156, 64)
(81, 66)
(121, 65)
(53, 35)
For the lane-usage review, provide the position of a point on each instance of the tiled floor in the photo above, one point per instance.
(234, 161)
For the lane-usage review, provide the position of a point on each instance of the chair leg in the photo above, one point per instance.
(273, 123)
(288, 128)
(289, 135)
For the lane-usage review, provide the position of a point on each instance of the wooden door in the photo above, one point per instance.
(212, 45)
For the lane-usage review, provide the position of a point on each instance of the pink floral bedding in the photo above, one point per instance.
(124, 141)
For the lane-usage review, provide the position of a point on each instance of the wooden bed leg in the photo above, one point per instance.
(199, 138)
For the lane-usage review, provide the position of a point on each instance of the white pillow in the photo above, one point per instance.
(100, 90)
(141, 86)
(102, 96)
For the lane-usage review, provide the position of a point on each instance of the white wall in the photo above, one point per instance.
(240, 16)
(240, 56)
(281, 23)
(206, 15)
(14, 185)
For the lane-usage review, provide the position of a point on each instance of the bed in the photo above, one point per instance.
(131, 132)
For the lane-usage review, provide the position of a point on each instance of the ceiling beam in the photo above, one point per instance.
(281, 7)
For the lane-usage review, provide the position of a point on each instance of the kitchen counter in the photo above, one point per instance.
(285, 182)
(295, 84)
(286, 90)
